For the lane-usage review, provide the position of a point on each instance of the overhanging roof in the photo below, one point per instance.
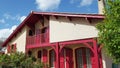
(32, 16)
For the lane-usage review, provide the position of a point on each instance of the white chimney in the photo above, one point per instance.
(101, 4)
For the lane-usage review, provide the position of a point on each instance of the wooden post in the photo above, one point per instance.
(96, 53)
(57, 56)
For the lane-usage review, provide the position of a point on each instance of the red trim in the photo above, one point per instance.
(96, 54)
(17, 30)
(62, 63)
(71, 15)
(8, 49)
(100, 47)
(45, 56)
(69, 58)
(83, 41)
(57, 56)
(15, 48)
(33, 16)
(83, 57)
(100, 60)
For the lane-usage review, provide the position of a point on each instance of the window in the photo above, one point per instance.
(39, 54)
(115, 65)
(11, 48)
(83, 58)
(29, 53)
(52, 59)
(30, 33)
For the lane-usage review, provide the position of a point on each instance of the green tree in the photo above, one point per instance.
(19, 60)
(109, 30)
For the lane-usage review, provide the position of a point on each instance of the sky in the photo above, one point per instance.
(13, 12)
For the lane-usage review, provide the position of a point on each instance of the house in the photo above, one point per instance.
(60, 40)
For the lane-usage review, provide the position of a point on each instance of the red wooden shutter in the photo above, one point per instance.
(62, 63)
(93, 60)
(45, 56)
(69, 58)
(8, 49)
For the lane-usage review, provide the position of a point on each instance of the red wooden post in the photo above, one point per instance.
(69, 58)
(15, 48)
(96, 54)
(57, 56)
(62, 63)
(45, 57)
(8, 49)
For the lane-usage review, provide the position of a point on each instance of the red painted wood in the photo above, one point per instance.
(100, 47)
(93, 60)
(57, 56)
(69, 58)
(100, 60)
(62, 63)
(84, 57)
(37, 39)
(8, 49)
(45, 57)
(96, 59)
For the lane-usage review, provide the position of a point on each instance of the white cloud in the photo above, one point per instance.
(2, 20)
(11, 17)
(82, 2)
(22, 18)
(86, 2)
(45, 5)
(73, 1)
(4, 33)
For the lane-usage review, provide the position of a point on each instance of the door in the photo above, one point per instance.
(83, 58)
(52, 59)
(69, 58)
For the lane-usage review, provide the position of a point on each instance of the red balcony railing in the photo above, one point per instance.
(37, 39)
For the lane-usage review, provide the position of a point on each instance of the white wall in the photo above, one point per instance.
(64, 30)
(20, 40)
(107, 62)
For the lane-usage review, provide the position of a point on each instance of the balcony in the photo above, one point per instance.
(37, 40)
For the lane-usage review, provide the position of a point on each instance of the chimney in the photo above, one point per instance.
(101, 5)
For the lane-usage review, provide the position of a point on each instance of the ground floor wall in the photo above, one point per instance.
(74, 54)
(70, 56)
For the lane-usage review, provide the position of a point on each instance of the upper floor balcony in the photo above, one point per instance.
(37, 40)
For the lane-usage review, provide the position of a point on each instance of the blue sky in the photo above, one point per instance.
(12, 12)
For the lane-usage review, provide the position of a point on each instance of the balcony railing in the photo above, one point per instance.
(37, 39)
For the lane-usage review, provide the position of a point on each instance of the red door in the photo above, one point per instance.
(83, 58)
(69, 58)
(45, 56)
(62, 59)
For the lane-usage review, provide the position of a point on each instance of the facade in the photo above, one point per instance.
(59, 40)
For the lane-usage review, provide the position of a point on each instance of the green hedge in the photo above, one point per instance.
(19, 60)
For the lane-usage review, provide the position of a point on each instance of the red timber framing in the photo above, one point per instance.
(60, 47)
(40, 41)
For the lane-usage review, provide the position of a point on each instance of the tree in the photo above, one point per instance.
(19, 60)
(109, 30)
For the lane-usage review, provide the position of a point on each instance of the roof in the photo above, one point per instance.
(32, 15)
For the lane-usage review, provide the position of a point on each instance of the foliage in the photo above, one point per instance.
(109, 30)
(19, 60)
